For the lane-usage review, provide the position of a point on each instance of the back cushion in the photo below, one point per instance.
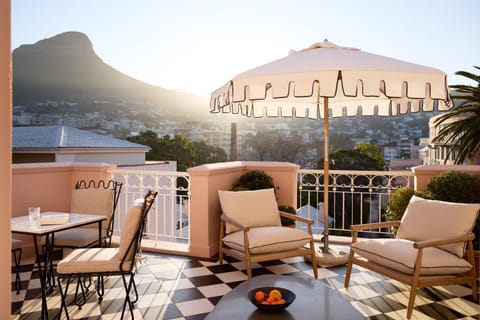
(256, 208)
(129, 230)
(432, 219)
(93, 201)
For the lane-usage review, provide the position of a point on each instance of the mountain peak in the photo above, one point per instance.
(73, 39)
(68, 42)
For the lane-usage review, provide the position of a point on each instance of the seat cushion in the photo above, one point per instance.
(130, 228)
(400, 255)
(432, 219)
(91, 260)
(268, 239)
(16, 244)
(96, 201)
(77, 237)
(255, 208)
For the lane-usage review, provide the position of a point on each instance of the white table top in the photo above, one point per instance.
(22, 224)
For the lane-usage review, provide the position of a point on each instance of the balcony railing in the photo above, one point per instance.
(169, 218)
(354, 196)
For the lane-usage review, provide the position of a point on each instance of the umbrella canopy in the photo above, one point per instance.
(328, 80)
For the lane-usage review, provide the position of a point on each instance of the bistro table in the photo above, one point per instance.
(21, 225)
(314, 300)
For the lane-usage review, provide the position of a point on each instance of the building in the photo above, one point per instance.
(67, 144)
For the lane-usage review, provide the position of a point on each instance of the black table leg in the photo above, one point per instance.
(43, 278)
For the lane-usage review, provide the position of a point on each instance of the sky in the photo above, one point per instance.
(197, 46)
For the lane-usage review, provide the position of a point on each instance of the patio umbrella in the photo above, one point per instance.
(325, 79)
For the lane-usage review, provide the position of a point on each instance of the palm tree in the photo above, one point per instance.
(463, 130)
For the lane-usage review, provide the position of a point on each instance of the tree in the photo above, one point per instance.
(180, 149)
(464, 129)
(365, 156)
(273, 146)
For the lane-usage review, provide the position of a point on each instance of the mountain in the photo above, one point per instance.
(65, 67)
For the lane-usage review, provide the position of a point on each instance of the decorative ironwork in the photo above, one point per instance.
(169, 218)
(354, 196)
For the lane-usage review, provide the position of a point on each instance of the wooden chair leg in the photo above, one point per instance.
(349, 268)
(314, 259)
(220, 254)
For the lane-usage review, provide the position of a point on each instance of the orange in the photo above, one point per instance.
(271, 300)
(275, 294)
(259, 296)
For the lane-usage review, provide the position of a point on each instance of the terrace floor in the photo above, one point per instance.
(175, 287)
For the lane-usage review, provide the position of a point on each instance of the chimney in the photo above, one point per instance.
(233, 141)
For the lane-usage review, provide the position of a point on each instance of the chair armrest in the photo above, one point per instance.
(439, 242)
(357, 227)
(234, 222)
(295, 217)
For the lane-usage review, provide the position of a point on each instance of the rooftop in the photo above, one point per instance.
(54, 137)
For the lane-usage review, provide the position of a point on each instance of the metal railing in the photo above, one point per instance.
(354, 197)
(168, 219)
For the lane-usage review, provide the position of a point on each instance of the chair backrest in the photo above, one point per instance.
(433, 219)
(253, 208)
(97, 197)
(132, 231)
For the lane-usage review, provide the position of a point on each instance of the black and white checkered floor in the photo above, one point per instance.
(174, 287)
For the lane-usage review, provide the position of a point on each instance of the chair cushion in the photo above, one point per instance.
(96, 201)
(16, 244)
(77, 237)
(91, 260)
(432, 219)
(400, 255)
(130, 227)
(255, 208)
(268, 239)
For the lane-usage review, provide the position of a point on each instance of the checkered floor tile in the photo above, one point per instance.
(173, 287)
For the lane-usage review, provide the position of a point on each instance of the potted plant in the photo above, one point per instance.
(257, 179)
(254, 180)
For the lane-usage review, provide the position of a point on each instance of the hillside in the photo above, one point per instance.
(65, 67)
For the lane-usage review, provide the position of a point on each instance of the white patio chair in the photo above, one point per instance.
(428, 249)
(250, 229)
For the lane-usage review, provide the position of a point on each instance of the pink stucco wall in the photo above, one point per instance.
(5, 159)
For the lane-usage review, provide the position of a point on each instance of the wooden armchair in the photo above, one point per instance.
(428, 249)
(250, 229)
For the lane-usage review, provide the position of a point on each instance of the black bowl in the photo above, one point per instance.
(287, 295)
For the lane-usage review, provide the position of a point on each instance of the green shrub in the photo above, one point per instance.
(455, 186)
(253, 180)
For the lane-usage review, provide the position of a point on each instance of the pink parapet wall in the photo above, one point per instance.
(423, 174)
(206, 180)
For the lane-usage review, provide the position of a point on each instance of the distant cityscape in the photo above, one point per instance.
(398, 137)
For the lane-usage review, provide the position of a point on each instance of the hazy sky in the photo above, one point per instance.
(198, 45)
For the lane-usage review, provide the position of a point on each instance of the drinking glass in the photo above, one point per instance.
(34, 216)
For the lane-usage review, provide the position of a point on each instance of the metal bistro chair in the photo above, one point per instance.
(17, 257)
(92, 197)
(119, 261)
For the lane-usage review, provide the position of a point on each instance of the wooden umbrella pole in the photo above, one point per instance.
(325, 175)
